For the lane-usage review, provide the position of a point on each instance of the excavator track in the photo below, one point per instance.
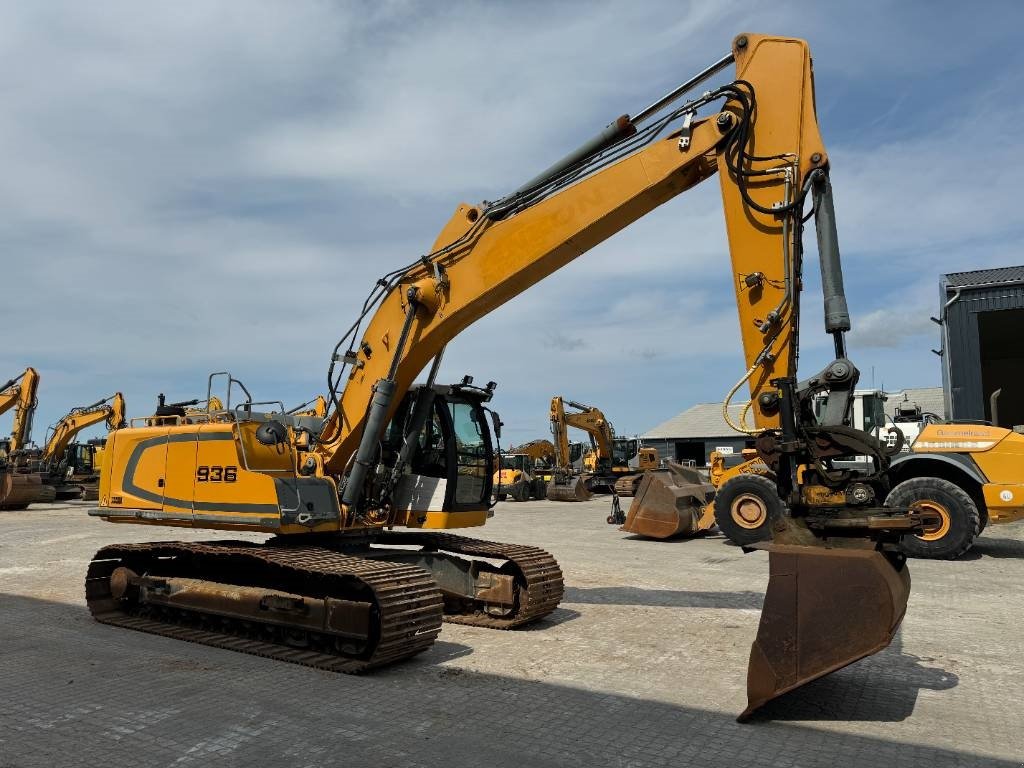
(626, 485)
(401, 604)
(538, 577)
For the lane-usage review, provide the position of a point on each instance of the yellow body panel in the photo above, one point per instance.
(960, 438)
(508, 477)
(189, 471)
(440, 520)
(998, 453)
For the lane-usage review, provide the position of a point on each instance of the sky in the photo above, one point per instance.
(204, 185)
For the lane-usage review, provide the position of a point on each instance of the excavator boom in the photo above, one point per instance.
(109, 409)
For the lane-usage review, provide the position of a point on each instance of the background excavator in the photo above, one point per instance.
(20, 488)
(68, 466)
(613, 465)
(567, 483)
(333, 588)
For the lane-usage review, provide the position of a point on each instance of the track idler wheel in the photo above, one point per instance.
(824, 609)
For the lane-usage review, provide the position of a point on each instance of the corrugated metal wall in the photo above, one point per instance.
(962, 363)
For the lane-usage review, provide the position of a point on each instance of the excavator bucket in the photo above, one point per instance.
(669, 502)
(568, 489)
(18, 490)
(824, 609)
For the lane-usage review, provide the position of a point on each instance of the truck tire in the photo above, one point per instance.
(745, 508)
(521, 491)
(959, 521)
(501, 496)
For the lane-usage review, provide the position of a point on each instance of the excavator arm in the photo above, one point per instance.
(110, 409)
(20, 393)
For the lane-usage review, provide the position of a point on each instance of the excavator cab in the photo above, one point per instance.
(440, 443)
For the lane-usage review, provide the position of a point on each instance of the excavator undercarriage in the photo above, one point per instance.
(336, 602)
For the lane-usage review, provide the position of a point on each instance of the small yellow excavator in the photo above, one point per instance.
(18, 487)
(361, 569)
(631, 461)
(61, 461)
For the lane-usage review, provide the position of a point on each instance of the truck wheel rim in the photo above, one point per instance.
(937, 520)
(749, 511)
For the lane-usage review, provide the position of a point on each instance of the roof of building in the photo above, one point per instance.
(705, 420)
(984, 277)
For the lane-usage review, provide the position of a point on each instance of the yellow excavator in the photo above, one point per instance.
(361, 569)
(61, 461)
(19, 488)
(316, 407)
(613, 464)
(568, 484)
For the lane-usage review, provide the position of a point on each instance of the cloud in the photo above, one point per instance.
(563, 343)
(891, 328)
(211, 185)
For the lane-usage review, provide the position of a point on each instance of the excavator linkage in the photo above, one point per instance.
(825, 608)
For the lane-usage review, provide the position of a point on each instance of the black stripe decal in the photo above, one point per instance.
(199, 506)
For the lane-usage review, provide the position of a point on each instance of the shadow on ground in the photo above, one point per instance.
(883, 687)
(985, 546)
(663, 598)
(74, 694)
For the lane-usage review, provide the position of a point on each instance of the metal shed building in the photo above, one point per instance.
(982, 319)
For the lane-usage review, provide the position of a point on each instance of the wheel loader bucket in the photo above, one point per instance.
(668, 503)
(568, 489)
(19, 490)
(824, 609)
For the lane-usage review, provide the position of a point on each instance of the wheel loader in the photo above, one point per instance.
(360, 568)
(518, 478)
(957, 477)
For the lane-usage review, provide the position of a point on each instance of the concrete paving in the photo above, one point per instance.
(642, 665)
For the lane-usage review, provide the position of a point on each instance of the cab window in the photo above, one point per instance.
(471, 450)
